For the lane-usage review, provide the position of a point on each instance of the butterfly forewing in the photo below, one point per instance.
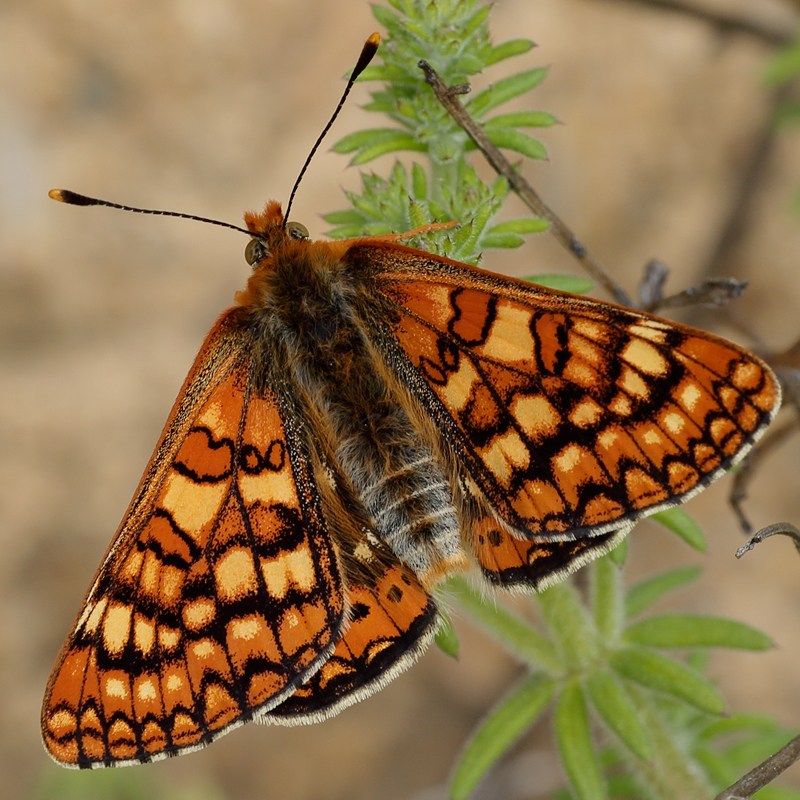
(571, 416)
(220, 593)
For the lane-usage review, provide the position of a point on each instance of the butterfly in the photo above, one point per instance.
(368, 419)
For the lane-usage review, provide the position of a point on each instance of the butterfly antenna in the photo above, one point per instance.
(75, 199)
(370, 48)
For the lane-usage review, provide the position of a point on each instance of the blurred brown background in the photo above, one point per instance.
(209, 107)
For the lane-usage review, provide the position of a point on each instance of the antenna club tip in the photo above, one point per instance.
(369, 50)
(72, 198)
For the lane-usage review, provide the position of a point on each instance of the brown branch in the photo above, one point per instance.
(748, 467)
(787, 367)
(771, 768)
(448, 97)
(764, 773)
(710, 292)
(779, 528)
(751, 177)
(724, 21)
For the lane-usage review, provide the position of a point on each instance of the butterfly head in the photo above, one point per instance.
(271, 233)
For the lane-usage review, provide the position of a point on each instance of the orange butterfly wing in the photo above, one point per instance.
(391, 617)
(220, 593)
(573, 417)
(391, 622)
(508, 561)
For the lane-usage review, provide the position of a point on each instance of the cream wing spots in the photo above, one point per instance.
(391, 620)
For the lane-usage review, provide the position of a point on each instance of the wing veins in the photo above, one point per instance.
(479, 361)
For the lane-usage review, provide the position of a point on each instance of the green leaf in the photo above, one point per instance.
(347, 216)
(405, 108)
(349, 231)
(619, 555)
(498, 731)
(699, 659)
(575, 744)
(522, 225)
(514, 633)
(715, 766)
(468, 64)
(512, 139)
(507, 240)
(522, 119)
(377, 72)
(609, 697)
(776, 793)
(366, 205)
(505, 90)
(514, 47)
(478, 18)
(783, 66)
(419, 182)
(446, 639)
(692, 630)
(403, 141)
(562, 283)
(754, 749)
(417, 216)
(386, 18)
(658, 672)
(570, 626)
(416, 28)
(364, 138)
(787, 113)
(645, 593)
(500, 189)
(678, 521)
(623, 786)
(738, 722)
(466, 237)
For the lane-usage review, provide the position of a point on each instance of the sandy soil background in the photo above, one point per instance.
(210, 106)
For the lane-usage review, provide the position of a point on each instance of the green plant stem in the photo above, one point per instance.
(669, 774)
(513, 633)
(567, 619)
(442, 174)
(607, 598)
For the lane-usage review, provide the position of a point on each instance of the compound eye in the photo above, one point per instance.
(297, 230)
(255, 251)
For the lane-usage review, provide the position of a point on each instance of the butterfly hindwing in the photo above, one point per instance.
(510, 561)
(391, 616)
(573, 417)
(220, 593)
(391, 621)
